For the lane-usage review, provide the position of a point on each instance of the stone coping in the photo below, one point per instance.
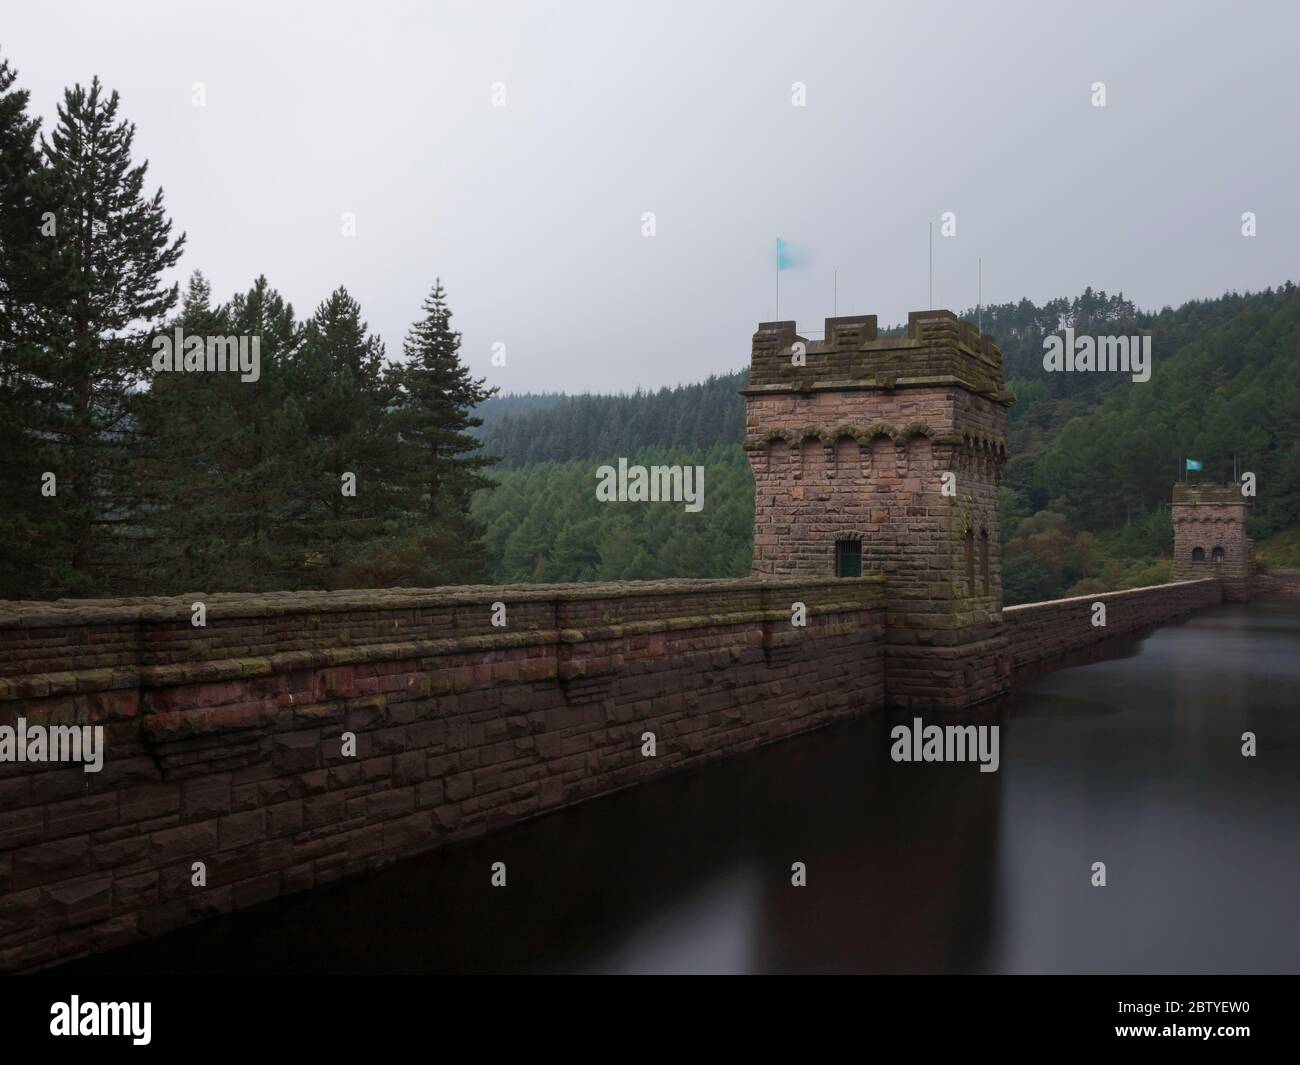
(1092, 598)
(224, 605)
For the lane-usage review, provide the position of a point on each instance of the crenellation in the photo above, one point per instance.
(938, 350)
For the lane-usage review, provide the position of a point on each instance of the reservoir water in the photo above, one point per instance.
(1135, 761)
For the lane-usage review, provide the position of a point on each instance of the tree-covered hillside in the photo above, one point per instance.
(544, 522)
(515, 405)
(1085, 493)
(522, 430)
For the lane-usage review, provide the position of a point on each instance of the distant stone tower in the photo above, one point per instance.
(852, 440)
(1210, 537)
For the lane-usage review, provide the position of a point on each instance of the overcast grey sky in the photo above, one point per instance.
(532, 212)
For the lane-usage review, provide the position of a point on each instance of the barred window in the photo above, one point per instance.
(848, 558)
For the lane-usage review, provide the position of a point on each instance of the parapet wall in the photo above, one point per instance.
(1043, 636)
(224, 744)
(1277, 584)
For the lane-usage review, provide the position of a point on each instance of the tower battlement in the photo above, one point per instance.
(1209, 495)
(881, 456)
(938, 349)
(1210, 537)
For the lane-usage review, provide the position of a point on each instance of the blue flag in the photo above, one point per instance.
(1193, 464)
(788, 256)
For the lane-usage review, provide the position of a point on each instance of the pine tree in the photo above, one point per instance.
(440, 469)
(354, 445)
(186, 421)
(261, 498)
(103, 300)
(27, 520)
(20, 215)
(575, 556)
(227, 461)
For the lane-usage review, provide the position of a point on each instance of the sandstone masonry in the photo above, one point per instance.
(851, 439)
(1210, 537)
(1044, 636)
(224, 742)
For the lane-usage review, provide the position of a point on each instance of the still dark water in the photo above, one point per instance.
(1134, 761)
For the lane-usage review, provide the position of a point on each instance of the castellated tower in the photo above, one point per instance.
(882, 455)
(1210, 537)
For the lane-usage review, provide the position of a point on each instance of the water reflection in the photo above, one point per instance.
(1201, 845)
(1134, 761)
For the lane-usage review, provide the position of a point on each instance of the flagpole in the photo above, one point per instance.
(931, 306)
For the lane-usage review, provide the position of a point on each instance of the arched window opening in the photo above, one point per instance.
(848, 558)
(984, 558)
(1217, 554)
(1198, 554)
(970, 561)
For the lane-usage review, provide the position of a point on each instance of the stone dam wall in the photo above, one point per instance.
(1277, 584)
(1044, 636)
(224, 744)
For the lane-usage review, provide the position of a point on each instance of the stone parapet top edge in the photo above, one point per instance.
(1109, 595)
(227, 605)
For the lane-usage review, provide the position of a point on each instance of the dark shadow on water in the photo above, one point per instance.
(1067, 707)
(689, 873)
